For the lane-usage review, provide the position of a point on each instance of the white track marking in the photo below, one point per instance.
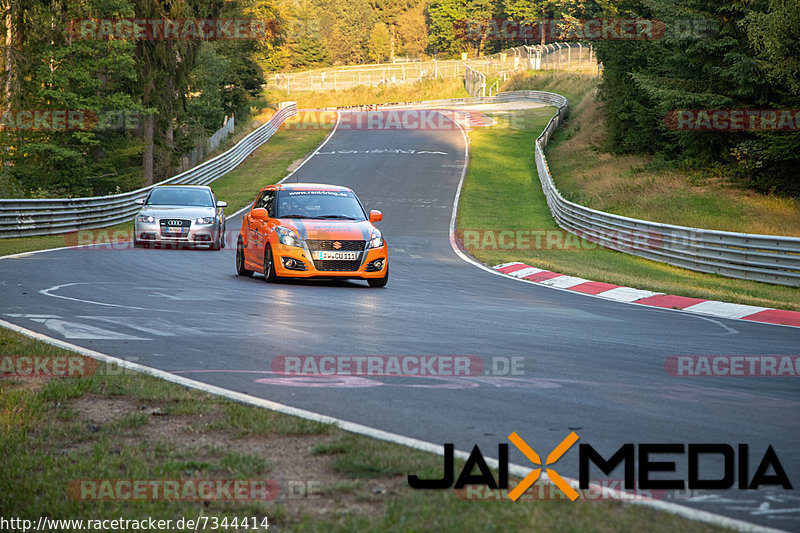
(724, 309)
(146, 325)
(627, 294)
(24, 315)
(565, 282)
(47, 292)
(75, 330)
(525, 272)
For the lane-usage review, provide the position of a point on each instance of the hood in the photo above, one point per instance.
(348, 230)
(177, 211)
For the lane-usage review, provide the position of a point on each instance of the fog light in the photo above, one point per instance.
(289, 263)
(378, 264)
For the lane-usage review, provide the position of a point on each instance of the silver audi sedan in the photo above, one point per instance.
(188, 215)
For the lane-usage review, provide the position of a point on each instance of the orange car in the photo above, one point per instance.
(305, 230)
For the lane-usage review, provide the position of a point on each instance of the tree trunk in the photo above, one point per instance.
(147, 155)
(544, 23)
(391, 42)
(8, 59)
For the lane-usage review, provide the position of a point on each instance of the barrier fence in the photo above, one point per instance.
(29, 217)
(552, 56)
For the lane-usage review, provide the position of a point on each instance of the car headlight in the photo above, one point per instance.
(376, 241)
(145, 218)
(205, 220)
(287, 236)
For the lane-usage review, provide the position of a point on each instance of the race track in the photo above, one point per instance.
(591, 366)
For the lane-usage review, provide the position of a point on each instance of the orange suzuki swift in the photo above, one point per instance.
(304, 230)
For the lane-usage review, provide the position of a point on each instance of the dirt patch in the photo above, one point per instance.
(295, 164)
(292, 463)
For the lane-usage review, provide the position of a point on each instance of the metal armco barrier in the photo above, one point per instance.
(766, 258)
(474, 81)
(29, 217)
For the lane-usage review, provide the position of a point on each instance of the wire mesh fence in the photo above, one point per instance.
(567, 56)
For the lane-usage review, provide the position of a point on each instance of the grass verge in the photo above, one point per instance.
(641, 186)
(502, 192)
(119, 425)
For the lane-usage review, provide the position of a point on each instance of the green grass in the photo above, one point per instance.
(47, 441)
(502, 191)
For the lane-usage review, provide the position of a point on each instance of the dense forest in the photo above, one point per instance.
(152, 99)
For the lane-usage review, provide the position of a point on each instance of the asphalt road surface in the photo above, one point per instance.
(584, 364)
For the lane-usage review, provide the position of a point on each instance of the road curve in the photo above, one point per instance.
(591, 366)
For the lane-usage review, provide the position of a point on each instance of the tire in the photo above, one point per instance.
(240, 269)
(380, 282)
(216, 244)
(269, 267)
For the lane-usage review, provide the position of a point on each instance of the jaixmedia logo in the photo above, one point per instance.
(769, 470)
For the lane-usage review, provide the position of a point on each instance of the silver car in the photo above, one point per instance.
(188, 215)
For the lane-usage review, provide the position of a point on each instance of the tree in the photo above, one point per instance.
(443, 17)
(379, 43)
(412, 33)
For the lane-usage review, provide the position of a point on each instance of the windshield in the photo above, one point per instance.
(323, 205)
(180, 196)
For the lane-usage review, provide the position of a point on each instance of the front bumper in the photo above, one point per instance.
(194, 235)
(306, 267)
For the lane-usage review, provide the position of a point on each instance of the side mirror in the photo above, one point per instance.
(222, 204)
(139, 201)
(375, 216)
(259, 213)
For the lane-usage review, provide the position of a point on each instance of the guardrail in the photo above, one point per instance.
(474, 81)
(30, 217)
(766, 258)
(771, 259)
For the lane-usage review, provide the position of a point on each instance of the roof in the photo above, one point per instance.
(308, 187)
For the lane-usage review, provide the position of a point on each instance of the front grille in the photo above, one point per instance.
(175, 222)
(344, 246)
(339, 266)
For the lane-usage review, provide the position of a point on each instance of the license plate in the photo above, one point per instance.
(336, 256)
(176, 229)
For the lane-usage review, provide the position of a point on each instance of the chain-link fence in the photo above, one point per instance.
(566, 56)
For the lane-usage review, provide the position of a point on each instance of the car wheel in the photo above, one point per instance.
(269, 266)
(216, 244)
(380, 282)
(240, 269)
